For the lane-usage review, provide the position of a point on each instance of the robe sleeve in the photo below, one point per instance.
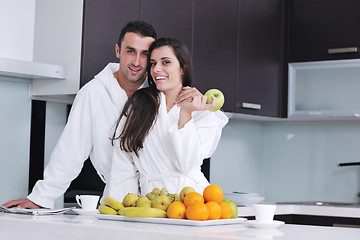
(69, 155)
(197, 140)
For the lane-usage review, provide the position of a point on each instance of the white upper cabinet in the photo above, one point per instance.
(324, 90)
(30, 70)
(57, 40)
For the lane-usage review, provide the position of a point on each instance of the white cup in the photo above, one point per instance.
(264, 213)
(87, 202)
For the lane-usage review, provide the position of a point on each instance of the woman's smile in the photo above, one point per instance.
(165, 69)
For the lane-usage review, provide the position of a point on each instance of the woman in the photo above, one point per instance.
(168, 142)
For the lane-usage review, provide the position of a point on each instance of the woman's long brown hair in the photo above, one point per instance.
(141, 109)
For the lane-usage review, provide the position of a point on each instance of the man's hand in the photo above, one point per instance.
(21, 203)
(187, 94)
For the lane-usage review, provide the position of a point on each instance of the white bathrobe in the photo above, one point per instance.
(96, 108)
(172, 157)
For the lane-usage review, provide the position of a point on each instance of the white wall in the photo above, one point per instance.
(301, 161)
(237, 164)
(17, 29)
(15, 109)
(287, 161)
(16, 41)
(17, 19)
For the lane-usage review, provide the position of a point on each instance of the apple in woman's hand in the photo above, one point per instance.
(219, 96)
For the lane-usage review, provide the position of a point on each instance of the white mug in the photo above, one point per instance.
(87, 202)
(264, 213)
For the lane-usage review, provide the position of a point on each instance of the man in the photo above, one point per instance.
(90, 125)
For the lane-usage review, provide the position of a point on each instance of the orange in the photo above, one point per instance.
(214, 210)
(214, 193)
(193, 197)
(197, 211)
(176, 210)
(226, 210)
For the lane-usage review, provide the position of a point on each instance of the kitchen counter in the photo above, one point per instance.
(16, 226)
(285, 209)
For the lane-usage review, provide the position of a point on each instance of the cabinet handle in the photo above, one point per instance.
(343, 50)
(251, 105)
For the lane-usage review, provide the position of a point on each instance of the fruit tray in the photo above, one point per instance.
(171, 220)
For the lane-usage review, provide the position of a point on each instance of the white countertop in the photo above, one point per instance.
(16, 226)
(307, 210)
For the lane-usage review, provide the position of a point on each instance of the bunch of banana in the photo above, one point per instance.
(114, 207)
(113, 203)
(107, 210)
(111, 206)
(142, 212)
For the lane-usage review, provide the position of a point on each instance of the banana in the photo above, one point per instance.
(145, 212)
(107, 210)
(123, 210)
(113, 203)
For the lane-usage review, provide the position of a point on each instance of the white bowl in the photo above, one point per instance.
(244, 199)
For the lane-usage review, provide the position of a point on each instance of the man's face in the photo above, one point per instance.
(133, 54)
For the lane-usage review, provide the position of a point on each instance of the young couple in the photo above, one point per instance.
(161, 137)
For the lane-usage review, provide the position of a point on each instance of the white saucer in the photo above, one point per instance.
(273, 224)
(82, 212)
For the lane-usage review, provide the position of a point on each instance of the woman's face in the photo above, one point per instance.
(165, 69)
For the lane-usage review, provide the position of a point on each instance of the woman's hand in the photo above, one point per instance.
(197, 104)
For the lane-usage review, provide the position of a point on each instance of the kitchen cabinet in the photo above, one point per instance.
(319, 220)
(261, 68)
(324, 30)
(313, 220)
(103, 20)
(57, 41)
(317, 89)
(175, 20)
(239, 49)
(215, 48)
(30, 70)
(237, 45)
(170, 18)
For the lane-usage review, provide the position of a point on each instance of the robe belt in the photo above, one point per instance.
(144, 180)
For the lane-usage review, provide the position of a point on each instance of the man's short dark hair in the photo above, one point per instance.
(139, 27)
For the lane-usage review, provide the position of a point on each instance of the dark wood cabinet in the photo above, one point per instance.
(261, 67)
(320, 26)
(170, 18)
(102, 23)
(215, 48)
(239, 48)
(236, 45)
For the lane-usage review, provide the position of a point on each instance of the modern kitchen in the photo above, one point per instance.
(289, 71)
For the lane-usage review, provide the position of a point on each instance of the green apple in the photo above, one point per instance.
(219, 96)
(233, 207)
